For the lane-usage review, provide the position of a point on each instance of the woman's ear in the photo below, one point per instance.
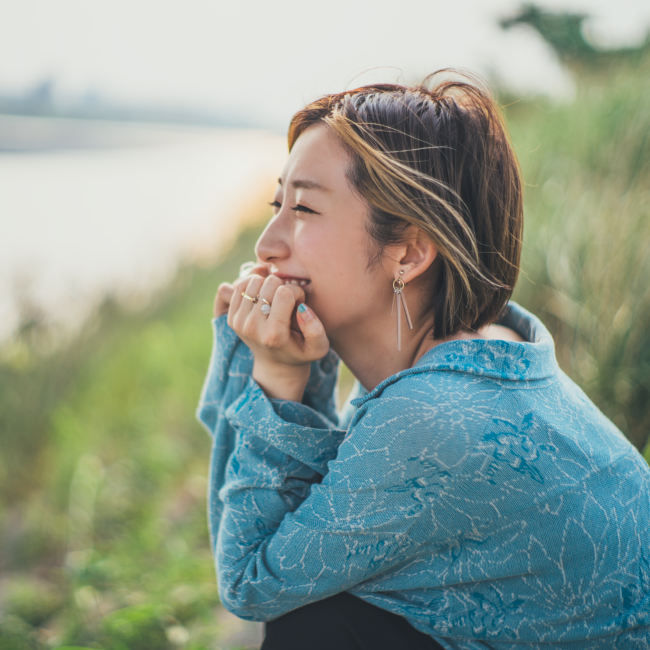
(414, 255)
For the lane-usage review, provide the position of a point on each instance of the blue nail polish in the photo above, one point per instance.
(302, 307)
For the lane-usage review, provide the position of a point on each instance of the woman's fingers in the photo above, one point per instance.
(235, 300)
(239, 305)
(263, 313)
(270, 286)
(276, 328)
(316, 342)
(250, 293)
(283, 305)
(226, 290)
(250, 296)
(223, 298)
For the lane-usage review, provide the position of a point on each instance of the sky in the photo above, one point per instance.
(266, 59)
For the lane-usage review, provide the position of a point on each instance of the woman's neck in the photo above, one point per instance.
(372, 356)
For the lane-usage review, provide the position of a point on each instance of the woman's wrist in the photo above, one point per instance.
(282, 381)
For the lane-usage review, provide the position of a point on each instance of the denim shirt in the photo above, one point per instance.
(479, 494)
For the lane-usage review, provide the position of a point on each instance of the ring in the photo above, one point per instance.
(265, 308)
(245, 295)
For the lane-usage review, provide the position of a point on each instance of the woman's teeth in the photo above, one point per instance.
(300, 283)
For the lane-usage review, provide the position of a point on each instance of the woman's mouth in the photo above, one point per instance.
(301, 282)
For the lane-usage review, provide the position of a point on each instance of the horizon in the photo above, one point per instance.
(217, 59)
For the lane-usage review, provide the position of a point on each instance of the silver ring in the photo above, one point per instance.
(245, 295)
(265, 307)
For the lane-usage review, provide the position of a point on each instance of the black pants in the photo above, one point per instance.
(343, 622)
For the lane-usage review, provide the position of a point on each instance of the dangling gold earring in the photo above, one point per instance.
(400, 302)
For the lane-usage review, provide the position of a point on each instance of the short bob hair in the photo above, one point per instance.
(436, 156)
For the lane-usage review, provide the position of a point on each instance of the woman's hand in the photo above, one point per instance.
(284, 334)
(225, 289)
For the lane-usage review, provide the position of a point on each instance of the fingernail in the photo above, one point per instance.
(302, 308)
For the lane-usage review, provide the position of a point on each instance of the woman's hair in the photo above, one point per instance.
(436, 156)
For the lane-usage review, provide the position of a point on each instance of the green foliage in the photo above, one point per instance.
(135, 628)
(15, 634)
(31, 599)
(585, 264)
(103, 538)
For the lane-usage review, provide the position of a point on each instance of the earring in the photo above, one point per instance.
(400, 302)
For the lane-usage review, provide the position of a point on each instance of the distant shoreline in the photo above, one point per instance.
(26, 133)
(91, 208)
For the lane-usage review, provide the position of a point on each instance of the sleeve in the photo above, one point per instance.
(364, 518)
(229, 372)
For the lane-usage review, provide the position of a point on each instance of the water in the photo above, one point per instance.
(89, 208)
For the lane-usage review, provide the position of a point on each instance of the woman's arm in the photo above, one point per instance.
(299, 514)
(366, 516)
(230, 366)
(229, 372)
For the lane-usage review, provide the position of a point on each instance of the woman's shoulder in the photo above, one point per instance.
(496, 397)
(482, 426)
(424, 410)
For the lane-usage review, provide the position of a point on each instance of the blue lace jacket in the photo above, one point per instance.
(479, 494)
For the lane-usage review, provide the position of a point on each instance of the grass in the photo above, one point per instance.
(103, 477)
(586, 267)
(103, 540)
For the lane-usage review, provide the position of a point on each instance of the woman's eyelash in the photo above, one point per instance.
(296, 208)
(302, 208)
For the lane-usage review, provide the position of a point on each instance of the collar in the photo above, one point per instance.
(530, 360)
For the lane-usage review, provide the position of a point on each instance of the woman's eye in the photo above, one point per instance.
(303, 208)
(276, 205)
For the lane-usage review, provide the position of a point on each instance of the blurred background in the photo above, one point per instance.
(139, 143)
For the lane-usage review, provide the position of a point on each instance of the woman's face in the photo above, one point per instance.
(318, 237)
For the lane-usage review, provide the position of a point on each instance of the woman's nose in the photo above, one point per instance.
(272, 243)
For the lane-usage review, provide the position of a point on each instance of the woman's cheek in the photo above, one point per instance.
(308, 244)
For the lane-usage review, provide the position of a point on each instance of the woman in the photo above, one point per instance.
(470, 495)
